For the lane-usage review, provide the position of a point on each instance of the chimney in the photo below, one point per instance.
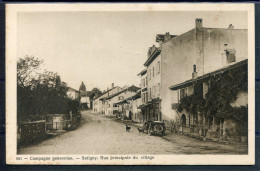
(231, 26)
(112, 85)
(194, 74)
(198, 23)
(167, 36)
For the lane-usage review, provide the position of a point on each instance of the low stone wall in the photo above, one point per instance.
(31, 131)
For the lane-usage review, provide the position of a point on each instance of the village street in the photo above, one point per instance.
(101, 135)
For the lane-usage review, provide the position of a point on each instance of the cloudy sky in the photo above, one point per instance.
(100, 48)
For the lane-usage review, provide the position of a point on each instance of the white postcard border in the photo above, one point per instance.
(11, 53)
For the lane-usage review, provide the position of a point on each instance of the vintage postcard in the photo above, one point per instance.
(143, 84)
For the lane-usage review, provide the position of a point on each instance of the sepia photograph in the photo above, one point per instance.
(130, 84)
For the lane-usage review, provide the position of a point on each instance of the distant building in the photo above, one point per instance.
(111, 108)
(99, 103)
(73, 94)
(84, 99)
(129, 108)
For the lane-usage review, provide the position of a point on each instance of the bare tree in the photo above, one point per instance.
(27, 70)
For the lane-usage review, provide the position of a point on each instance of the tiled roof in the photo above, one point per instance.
(142, 72)
(131, 88)
(219, 71)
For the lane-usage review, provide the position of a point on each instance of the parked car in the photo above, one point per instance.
(154, 128)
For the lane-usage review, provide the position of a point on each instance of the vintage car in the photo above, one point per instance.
(154, 128)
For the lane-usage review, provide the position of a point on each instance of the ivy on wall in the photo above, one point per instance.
(223, 90)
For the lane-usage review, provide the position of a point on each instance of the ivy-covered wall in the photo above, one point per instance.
(223, 92)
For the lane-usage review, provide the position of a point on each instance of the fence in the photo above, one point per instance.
(29, 132)
(61, 125)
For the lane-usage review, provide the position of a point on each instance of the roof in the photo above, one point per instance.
(136, 96)
(142, 72)
(153, 56)
(113, 95)
(131, 88)
(205, 76)
(162, 37)
(69, 88)
(106, 92)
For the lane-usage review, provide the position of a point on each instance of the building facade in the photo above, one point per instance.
(112, 100)
(214, 105)
(171, 62)
(129, 108)
(100, 104)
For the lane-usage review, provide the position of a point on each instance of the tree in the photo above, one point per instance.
(94, 92)
(40, 93)
(27, 70)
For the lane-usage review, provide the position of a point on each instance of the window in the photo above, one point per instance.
(230, 55)
(145, 81)
(183, 93)
(150, 93)
(205, 89)
(150, 74)
(154, 91)
(198, 89)
(158, 71)
(153, 71)
(158, 89)
(190, 90)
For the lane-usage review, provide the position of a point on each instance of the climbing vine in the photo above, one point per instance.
(223, 90)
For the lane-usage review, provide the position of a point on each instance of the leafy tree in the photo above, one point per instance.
(41, 93)
(95, 92)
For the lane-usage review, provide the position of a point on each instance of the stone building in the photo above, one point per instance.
(228, 124)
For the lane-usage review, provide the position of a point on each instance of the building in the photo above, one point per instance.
(84, 98)
(214, 105)
(110, 101)
(129, 108)
(100, 104)
(73, 94)
(171, 63)
(144, 95)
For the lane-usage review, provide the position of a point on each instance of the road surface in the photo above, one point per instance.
(100, 135)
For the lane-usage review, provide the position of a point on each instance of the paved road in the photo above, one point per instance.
(100, 135)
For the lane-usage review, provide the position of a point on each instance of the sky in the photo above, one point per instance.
(101, 48)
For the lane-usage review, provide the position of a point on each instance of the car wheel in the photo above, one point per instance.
(158, 128)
